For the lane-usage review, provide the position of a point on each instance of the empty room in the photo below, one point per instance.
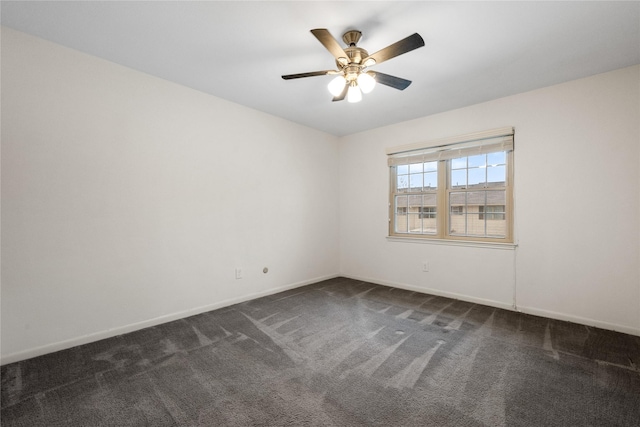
(301, 213)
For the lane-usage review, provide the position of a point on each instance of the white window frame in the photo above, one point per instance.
(443, 151)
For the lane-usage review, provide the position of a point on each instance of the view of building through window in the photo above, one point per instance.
(474, 188)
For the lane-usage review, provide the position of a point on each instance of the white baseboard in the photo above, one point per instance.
(437, 292)
(528, 310)
(580, 320)
(97, 336)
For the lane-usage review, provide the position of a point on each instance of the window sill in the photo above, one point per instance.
(446, 242)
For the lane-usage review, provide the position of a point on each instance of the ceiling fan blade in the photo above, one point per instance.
(310, 74)
(342, 95)
(331, 44)
(392, 81)
(405, 45)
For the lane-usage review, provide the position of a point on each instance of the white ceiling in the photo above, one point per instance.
(236, 50)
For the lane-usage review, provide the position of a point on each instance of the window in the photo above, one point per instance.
(460, 190)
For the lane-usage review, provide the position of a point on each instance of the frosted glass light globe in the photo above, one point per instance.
(366, 82)
(336, 86)
(354, 94)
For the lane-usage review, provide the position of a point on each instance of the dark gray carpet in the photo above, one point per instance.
(337, 353)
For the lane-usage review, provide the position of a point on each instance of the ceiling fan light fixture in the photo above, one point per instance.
(366, 82)
(336, 86)
(354, 94)
(352, 80)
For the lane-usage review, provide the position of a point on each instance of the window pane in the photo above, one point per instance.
(459, 163)
(403, 182)
(415, 182)
(483, 214)
(476, 198)
(475, 225)
(476, 201)
(431, 166)
(478, 161)
(457, 222)
(429, 199)
(477, 177)
(497, 197)
(431, 180)
(402, 169)
(401, 203)
(429, 220)
(498, 158)
(415, 203)
(415, 168)
(429, 214)
(458, 225)
(415, 223)
(419, 216)
(401, 223)
(494, 212)
(401, 214)
(496, 174)
(459, 178)
(457, 213)
(458, 199)
(496, 227)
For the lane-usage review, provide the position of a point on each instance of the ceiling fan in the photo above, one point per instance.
(352, 78)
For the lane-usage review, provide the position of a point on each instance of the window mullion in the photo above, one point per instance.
(442, 205)
(393, 193)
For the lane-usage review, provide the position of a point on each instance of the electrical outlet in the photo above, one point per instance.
(425, 266)
(238, 273)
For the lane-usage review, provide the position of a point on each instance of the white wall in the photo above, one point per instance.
(128, 200)
(576, 156)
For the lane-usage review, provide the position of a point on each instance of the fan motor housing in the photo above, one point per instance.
(356, 54)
